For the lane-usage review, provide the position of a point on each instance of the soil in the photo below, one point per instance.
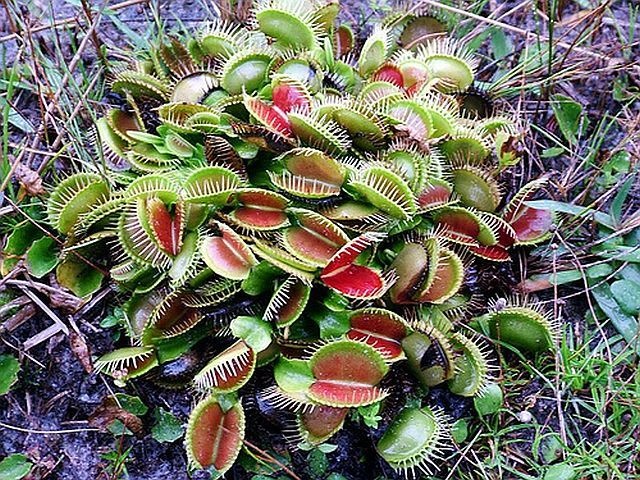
(55, 393)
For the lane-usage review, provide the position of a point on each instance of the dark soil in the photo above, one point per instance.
(61, 396)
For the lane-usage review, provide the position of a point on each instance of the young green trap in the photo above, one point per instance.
(315, 203)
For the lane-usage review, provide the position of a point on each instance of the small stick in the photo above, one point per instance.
(68, 21)
(271, 458)
(511, 28)
(46, 309)
(47, 432)
(45, 334)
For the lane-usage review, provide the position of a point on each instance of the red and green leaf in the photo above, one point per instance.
(214, 436)
(448, 278)
(171, 318)
(320, 423)
(389, 73)
(227, 371)
(168, 228)
(356, 281)
(288, 302)
(530, 225)
(459, 225)
(288, 94)
(260, 210)
(347, 374)
(315, 239)
(227, 254)
(410, 265)
(271, 116)
(435, 193)
(380, 328)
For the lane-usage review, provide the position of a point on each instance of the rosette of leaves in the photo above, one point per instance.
(304, 208)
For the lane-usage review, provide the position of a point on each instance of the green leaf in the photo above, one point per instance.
(82, 279)
(132, 404)
(568, 276)
(254, 331)
(16, 118)
(9, 368)
(551, 448)
(477, 40)
(622, 254)
(501, 44)
(620, 198)
(336, 302)
(632, 239)
(332, 323)
(22, 237)
(631, 272)
(561, 471)
(369, 414)
(460, 430)
(227, 400)
(42, 257)
(627, 294)
(336, 476)
(246, 150)
(260, 278)
(599, 271)
(619, 163)
(317, 463)
(118, 429)
(625, 324)
(18, 242)
(293, 375)
(167, 428)
(171, 348)
(115, 318)
(15, 467)
(327, 447)
(552, 152)
(534, 57)
(577, 210)
(490, 401)
(568, 113)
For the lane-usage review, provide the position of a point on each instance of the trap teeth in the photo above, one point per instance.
(524, 327)
(417, 439)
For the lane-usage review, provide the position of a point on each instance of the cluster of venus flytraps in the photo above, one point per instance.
(307, 204)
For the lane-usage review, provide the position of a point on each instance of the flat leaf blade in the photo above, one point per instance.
(568, 114)
(9, 368)
(14, 467)
(626, 325)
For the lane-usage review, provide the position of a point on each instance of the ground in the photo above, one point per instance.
(46, 416)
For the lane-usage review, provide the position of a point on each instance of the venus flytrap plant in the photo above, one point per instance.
(302, 212)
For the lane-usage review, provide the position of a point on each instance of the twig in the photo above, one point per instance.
(511, 28)
(462, 456)
(22, 352)
(46, 309)
(58, 140)
(41, 287)
(69, 21)
(47, 432)
(272, 458)
(44, 335)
